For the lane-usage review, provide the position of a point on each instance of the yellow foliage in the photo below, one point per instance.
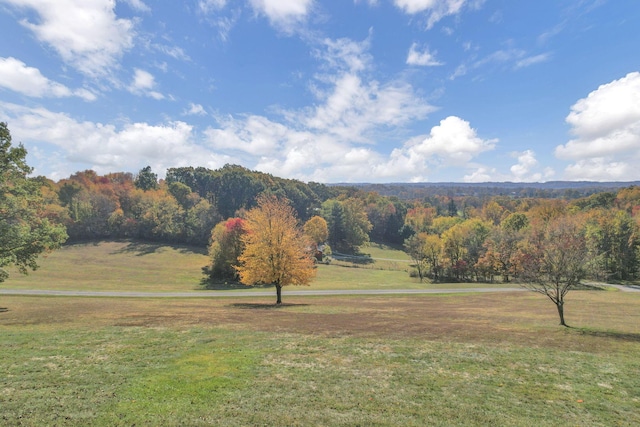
(276, 252)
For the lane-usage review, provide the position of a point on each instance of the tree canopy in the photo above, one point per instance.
(25, 232)
(555, 260)
(275, 249)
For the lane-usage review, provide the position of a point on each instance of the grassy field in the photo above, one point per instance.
(441, 360)
(146, 267)
(376, 361)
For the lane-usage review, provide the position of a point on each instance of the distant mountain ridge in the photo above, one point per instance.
(504, 184)
(549, 189)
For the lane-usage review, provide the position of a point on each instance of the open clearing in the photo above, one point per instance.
(482, 359)
(410, 360)
(146, 267)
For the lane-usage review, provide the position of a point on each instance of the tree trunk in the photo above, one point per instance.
(279, 294)
(561, 314)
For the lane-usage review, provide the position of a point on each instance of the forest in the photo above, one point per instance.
(476, 236)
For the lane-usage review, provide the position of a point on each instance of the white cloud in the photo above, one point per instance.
(482, 174)
(283, 14)
(436, 9)
(105, 147)
(208, 6)
(195, 110)
(172, 51)
(17, 76)
(85, 33)
(525, 170)
(138, 5)
(424, 58)
(256, 135)
(453, 143)
(508, 58)
(526, 162)
(606, 125)
(323, 142)
(532, 60)
(522, 170)
(351, 105)
(332, 140)
(143, 84)
(223, 21)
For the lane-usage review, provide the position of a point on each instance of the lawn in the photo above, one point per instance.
(448, 359)
(148, 267)
(483, 359)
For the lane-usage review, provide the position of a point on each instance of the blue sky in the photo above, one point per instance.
(327, 91)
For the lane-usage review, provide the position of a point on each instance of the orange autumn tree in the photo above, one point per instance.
(275, 249)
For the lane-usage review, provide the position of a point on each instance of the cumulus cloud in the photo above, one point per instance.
(527, 169)
(283, 14)
(423, 58)
(195, 110)
(606, 126)
(482, 174)
(452, 143)
(105, 147)
(332, 140)
(85, 33)
(350, 104)
(143, 84)
(17, 76)
(526, 161)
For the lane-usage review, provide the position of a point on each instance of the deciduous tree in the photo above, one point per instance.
(225, 248)
(276, 251)
(554, 259)
(146, 179)
(25, 232)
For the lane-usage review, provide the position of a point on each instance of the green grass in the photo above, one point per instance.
(438, 360)
(116, 266)
(147, 267)
(380, 251)
(379, 362)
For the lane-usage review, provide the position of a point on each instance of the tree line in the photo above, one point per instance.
(462, 238)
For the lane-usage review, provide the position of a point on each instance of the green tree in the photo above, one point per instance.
(146, 179)
(275, 249)
(417, 249)
(224, 250)
(24, 230)
(348, 224)
(614, 239)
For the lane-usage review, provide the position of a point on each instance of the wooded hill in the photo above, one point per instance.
(465, 222)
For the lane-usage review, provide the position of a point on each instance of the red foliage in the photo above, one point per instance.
(234, 225)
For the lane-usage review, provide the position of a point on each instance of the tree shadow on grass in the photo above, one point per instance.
(229, 285)
(147, 248)
(622, 336)
(264, 306)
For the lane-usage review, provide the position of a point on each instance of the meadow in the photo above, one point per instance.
(445, 359)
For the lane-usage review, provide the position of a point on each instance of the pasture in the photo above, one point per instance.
(463, 359)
